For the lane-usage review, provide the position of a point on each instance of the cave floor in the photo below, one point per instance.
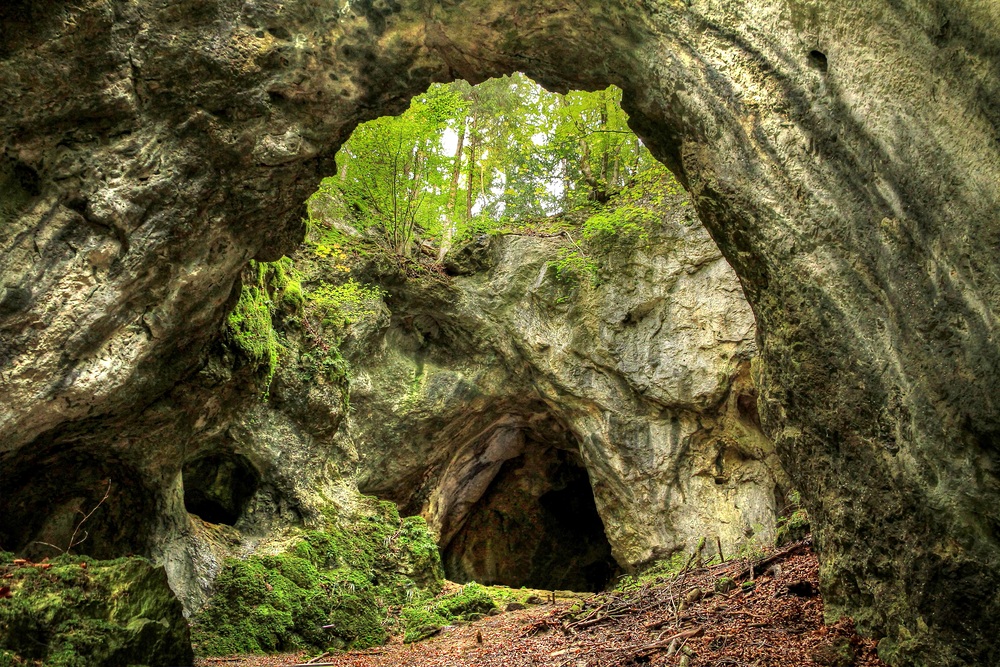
(773, 619)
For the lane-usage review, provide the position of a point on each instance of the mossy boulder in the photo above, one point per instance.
(80, 612)
(469, 603)
(793, 529)
(339, 588)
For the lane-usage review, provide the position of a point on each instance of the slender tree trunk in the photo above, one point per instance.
(413, 200)
(605, 149)
(451, 219)
(470, 175)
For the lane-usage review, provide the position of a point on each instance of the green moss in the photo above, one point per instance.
(421, 623)
(353, 578)
(658, 571)
(793, 528)
(423, 619)
(250, 325)
(85, 613)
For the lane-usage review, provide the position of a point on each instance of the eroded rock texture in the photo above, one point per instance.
(843, 154)
(494, 402)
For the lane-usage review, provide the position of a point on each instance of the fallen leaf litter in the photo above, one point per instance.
(728, 615)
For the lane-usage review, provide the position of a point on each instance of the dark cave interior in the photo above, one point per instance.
(536, 525)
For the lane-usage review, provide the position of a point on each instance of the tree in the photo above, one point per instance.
(519, 152)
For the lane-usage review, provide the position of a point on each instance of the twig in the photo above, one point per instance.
(50, 545)
(76, 530)
(72, 539)
(656, 646)
(763, 563)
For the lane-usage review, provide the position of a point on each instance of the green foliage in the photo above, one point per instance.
(469, 160)
(354, 578)
(571, 268)
(626, 223)
(751, 549)
(81, 612)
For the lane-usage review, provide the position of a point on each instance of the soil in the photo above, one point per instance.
(768, 615)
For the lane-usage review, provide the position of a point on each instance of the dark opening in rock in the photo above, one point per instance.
(218, 487)
(46, 496)
(818, 60)
(536, 525)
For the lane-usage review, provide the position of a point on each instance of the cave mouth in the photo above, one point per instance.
(218, 487)
(535, 526)
(74, 498)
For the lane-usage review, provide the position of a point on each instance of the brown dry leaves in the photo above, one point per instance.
(776, 622)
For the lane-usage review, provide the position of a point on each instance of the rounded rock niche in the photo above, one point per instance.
(218, 487)
(72, 498)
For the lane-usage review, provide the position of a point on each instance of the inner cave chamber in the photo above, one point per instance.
(69, 498)
(217, 487)
(523, 514)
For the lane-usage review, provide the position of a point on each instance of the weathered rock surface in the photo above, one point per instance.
(475, 399)
(843, 154)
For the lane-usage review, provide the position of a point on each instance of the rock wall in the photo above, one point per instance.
(644, 376)
(843, 155)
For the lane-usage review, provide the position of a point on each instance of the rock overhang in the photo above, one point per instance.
(857, 201)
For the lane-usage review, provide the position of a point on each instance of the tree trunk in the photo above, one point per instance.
(451, 219)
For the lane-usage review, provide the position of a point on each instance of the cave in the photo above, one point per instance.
(536, 525)
(217, 487)
(842, 154)
(72, 499)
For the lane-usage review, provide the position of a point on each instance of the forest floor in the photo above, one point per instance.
(729, 615)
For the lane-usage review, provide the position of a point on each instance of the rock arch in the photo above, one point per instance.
(843, 154)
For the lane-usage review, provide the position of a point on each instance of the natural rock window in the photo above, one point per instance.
(218, 487)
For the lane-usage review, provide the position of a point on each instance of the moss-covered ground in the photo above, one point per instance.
(350, 586)
(78, 612)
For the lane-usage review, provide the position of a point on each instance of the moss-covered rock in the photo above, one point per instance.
(468, 603)
(338, 588)
(80, 612)
(793, 528)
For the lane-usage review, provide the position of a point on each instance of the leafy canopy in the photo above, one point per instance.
(464, 160)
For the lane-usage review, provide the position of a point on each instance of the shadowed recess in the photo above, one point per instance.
(46, 498)
(218, 487)
(536, 525)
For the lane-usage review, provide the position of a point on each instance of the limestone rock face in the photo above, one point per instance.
(842, 154)
(642, 380)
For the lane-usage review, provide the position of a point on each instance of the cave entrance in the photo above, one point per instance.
(427, 191)
(218, 487)
(536, 525)
(69, 498)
